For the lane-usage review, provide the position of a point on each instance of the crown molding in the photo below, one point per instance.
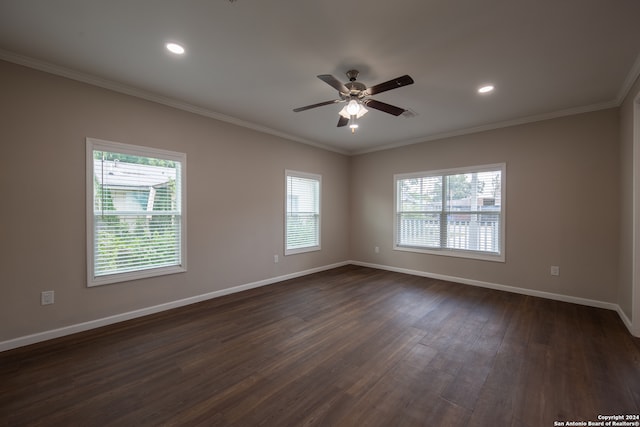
(632, 76)
(496, 125)
(150, 96)
(50, 68)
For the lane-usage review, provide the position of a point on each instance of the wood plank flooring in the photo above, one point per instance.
(352, 346)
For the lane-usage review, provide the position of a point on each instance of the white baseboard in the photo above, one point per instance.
(93, 324)
(513, 289)
(627, 322)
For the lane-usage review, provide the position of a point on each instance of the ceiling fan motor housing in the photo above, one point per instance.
(356, 89)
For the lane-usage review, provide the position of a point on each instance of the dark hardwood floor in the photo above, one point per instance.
(351, 346)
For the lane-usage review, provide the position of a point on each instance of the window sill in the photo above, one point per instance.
(301, 250)
(134, 275)
(453, 253)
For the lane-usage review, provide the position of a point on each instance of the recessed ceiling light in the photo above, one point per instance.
(175, 48)
(486, 89)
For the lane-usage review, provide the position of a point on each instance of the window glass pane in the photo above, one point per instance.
(420, 194)
(490, 197)
(474, 191)
(474, 232)
(302, 231)
(302, 195)
(460, 189)
(419, 229)
(131, 243)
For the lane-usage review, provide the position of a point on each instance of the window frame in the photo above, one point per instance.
(94, 144)
(304, 175)
(445, 251)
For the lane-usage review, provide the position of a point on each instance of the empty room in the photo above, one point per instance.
(278, 213)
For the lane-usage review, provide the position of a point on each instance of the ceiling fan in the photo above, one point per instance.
(356, 95)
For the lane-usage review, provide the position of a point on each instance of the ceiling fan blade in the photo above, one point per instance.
(342, 121)
(391, 84)
(334, 83)
(383, 106)
(319, 104)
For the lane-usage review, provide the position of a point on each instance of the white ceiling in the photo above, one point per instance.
(252, 61)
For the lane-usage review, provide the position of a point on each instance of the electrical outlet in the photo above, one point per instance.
(376, 249)
(555, 270)
(275, 259)
(47, 297)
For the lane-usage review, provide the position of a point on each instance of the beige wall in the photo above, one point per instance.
(563, 202)
(235, 201)
(626, 211)
(561, 208)
(625, 295)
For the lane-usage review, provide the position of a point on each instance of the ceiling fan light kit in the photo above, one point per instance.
(353, 108)
(357, 95)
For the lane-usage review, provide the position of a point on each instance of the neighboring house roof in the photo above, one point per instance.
(116, 174)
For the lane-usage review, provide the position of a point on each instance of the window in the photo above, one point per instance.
(456, 212)
(136, 224)
(302, 211)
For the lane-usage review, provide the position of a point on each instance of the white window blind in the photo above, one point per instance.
(458, 212)
(136, 223)
(302, 222)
